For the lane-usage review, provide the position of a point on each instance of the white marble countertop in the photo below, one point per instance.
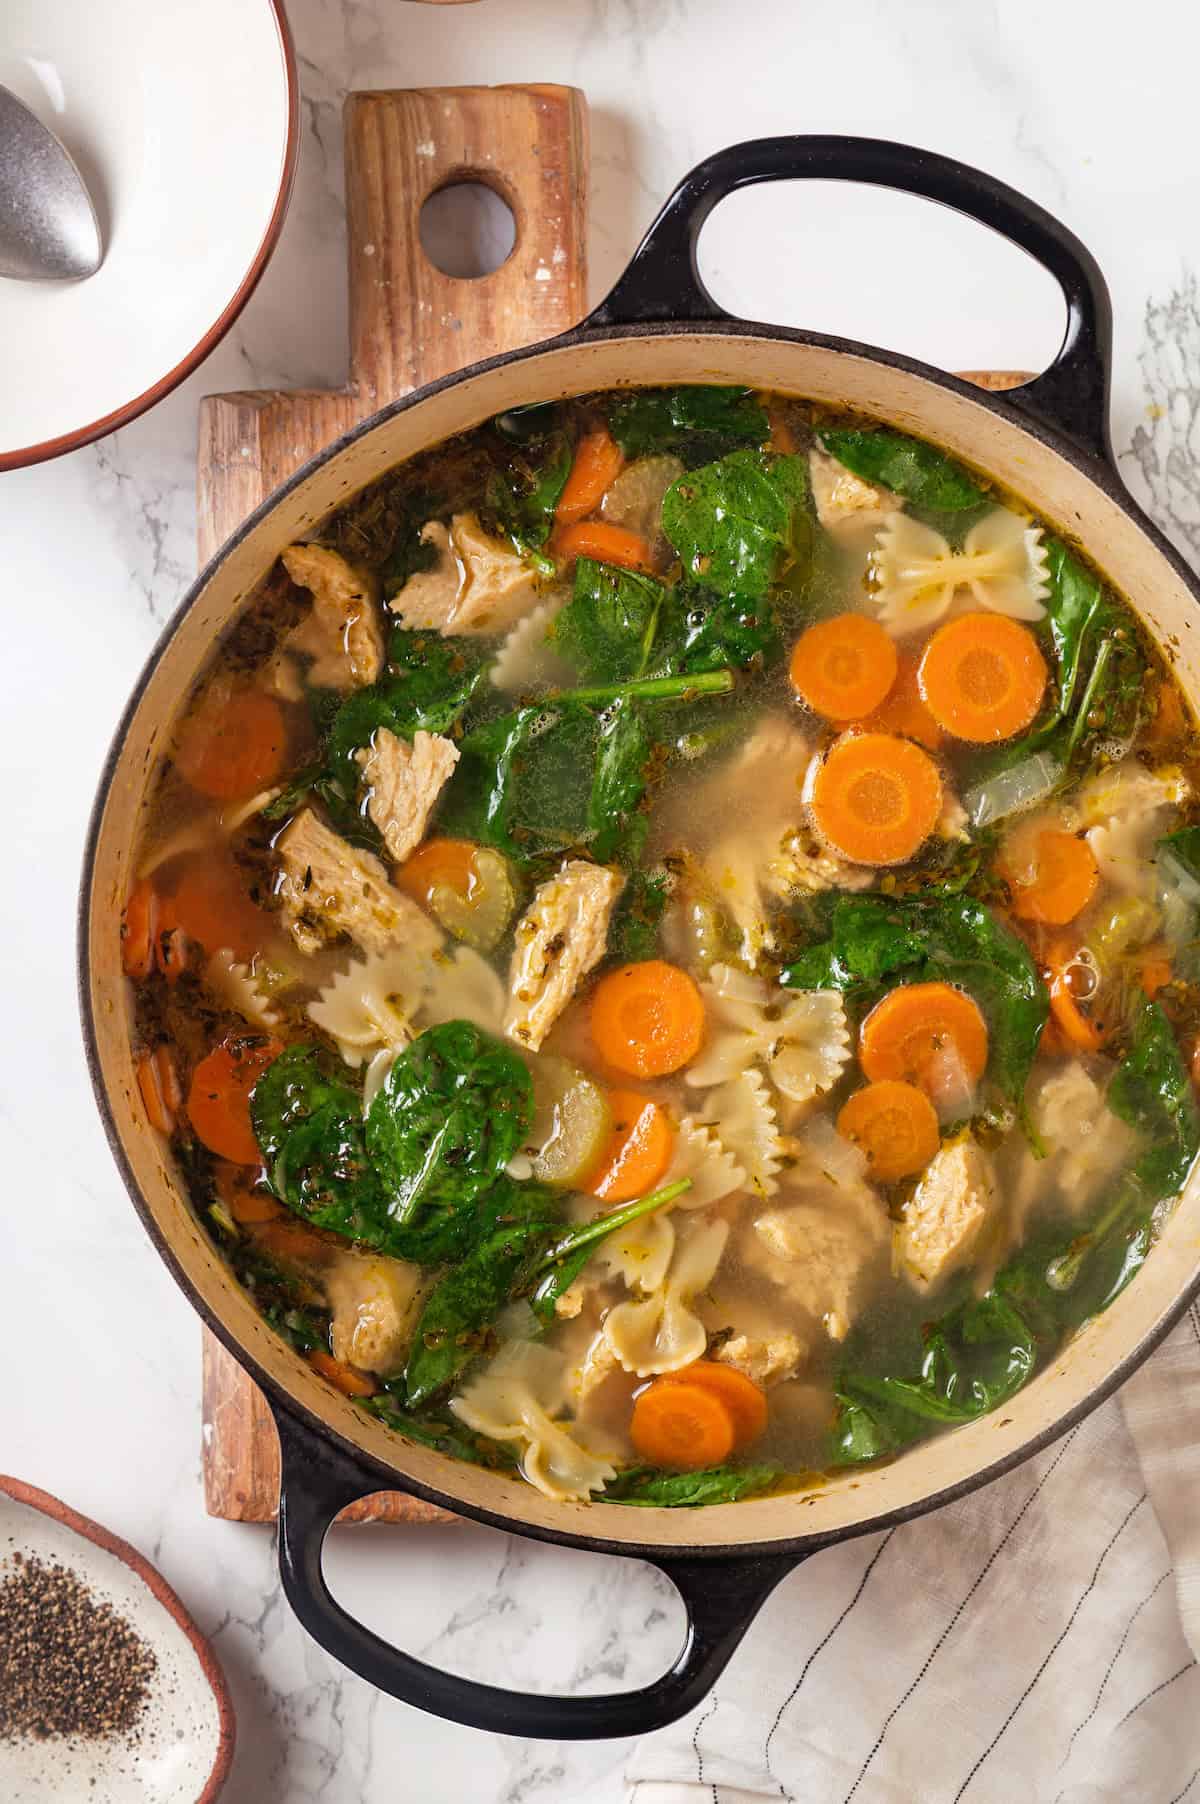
(101, 1405)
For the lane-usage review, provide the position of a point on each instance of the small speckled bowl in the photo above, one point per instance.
(184, 1741)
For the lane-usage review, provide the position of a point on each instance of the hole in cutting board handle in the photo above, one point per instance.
(467, 229)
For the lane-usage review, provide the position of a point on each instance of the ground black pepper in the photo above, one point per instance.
(69, 1663)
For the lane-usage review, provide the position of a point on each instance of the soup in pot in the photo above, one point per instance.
(666, 945)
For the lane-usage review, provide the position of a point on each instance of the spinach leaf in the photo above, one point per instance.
(1152, 1091)
(520, 1249)
(1184, 847)
(952, 938)
(907, 466)
(1075, 600)
(504, 796)
(456, 1322)
(309, 1127)
(720, 630)
(696, 423)
(654, 1489)
(609, 626)
(738, 524)
(633, 935)
(522, 497)
(453, 1109)
(619, 783)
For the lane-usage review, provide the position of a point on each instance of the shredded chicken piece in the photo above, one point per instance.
(767, 1360)
(843, 500)
(374, 1304)
(559, 939)
(404, 782)
(477, 585)
(342, 634)
(944, 1220)
(328, 888)
(817, 1252)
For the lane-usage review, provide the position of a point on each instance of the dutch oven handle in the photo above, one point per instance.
(663, 283)
(721, 1599)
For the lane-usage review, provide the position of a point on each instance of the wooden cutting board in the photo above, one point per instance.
(409, 324)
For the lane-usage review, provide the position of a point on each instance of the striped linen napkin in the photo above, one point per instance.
(1033, 1644)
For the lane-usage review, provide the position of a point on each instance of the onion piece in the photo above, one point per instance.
(1009, 791)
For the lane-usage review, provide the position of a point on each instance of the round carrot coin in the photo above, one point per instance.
(875, 799)
(895, 1126)
(904, 712)
(928, 1034)
(639, 1148)
(232, 743)
(218, 1103)
(844, 667)
(1063, 881)
(680, 1424)
(647, 1019)
(744, 1400)
(983, 677)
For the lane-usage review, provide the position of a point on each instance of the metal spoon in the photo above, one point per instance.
(48, 226)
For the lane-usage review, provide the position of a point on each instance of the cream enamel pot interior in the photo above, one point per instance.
(1047, 441)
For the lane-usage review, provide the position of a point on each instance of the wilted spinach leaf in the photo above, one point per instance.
(609, 627)
(623, 755)
(739, 524)
(633, 935)
(523, 496)
(453, 1109)
(696, 423)
(714, 631)
(655, 1489)
(908, 467)
(952, 938)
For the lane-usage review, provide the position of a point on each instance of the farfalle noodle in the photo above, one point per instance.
(918, 576)
(663, 1333)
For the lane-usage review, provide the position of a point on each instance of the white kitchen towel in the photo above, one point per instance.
(1033, 1644)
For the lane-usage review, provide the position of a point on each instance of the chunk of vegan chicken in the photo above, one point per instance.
(342, 634)
(843, 500)
(767, 1360)
(817, 1252)
(328, 887)
(477, 585)
(559, 939)
(403, 785)
(943, 1221)
(374, 1304)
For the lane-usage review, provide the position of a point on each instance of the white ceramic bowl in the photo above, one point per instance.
(185, 1737)
(183, 117)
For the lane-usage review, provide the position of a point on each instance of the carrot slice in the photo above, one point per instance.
(1154, 968)
(607, 544)
(292, 1242)
(680, 1424)
(218, 1102)
(647, 1019)
(1081, 1032)
(247, 1202)
(844, 667)
(438, 864)
(895, 1126)
(209, 902)
(139, 926)
(232, 743)
(928, 1034)
(348, 1379)
(983, 677)
(598, 462)
(639, 1148)
(904, 712)
(158, 1082)
(1064, 880)
(743, 1399)
(875, 798)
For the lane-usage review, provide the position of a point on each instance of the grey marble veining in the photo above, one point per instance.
(98, 549)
